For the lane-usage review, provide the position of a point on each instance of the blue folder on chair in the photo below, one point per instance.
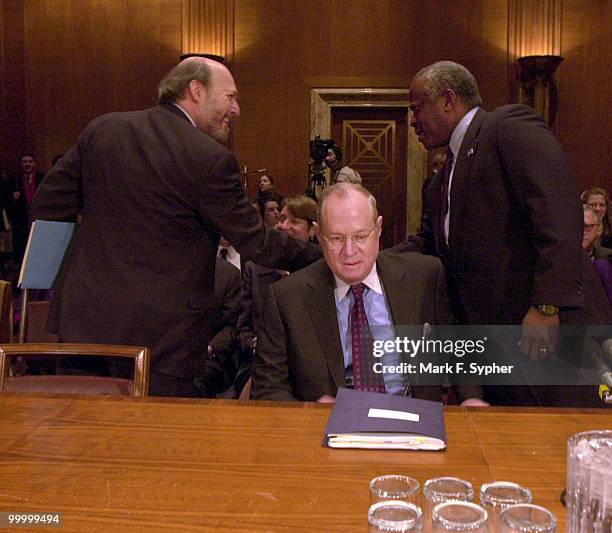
(44, 254)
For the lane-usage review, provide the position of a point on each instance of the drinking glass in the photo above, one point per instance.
(527, 518)
(498, 495)
(392, 516)
(394, 487)
(459, 516)
(442, 489)
(589, 489)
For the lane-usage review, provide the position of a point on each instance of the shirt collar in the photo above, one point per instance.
(460, 131)
(186, 114)
(371, 281)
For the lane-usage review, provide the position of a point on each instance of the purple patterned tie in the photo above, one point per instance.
(364, 376)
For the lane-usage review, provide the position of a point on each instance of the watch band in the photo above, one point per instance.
(548, 309)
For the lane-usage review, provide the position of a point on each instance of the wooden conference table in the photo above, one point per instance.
(125, 464)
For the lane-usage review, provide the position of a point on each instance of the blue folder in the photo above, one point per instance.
(44, 254)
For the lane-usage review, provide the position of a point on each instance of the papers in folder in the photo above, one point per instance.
(384, 421)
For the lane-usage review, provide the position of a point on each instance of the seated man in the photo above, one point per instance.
(309, 343)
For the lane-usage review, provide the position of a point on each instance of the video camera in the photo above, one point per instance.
(319, 149)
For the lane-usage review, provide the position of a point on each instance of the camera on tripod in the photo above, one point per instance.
(319, 151)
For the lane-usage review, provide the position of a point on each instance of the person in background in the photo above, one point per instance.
(20, 193)
(437, 163)
(598, 199)
(265, 185)
(269, 208)
(591, 238)
(228, 253)
(297, 218)
(220, 369)
(339, 172)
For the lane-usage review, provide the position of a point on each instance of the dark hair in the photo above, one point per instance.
(173, 86)
(268, 197)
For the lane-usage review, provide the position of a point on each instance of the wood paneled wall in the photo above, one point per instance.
(67, 61)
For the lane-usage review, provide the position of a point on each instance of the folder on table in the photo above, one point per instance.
(44, 253)
(384, 421)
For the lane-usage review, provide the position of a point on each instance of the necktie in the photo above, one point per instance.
(223, 254)
(446, 170)
(361, 338)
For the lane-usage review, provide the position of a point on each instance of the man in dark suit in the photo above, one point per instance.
(503, 218)
(220, 368)
(306, 348)
(507, 226)
(156, 189)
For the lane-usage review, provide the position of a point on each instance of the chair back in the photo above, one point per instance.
(70, 384)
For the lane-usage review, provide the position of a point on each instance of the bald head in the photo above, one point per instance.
(206, 91)
(174, 85)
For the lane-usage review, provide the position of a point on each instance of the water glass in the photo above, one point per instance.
(527, 518)
(589, 482)
(459, 516)
(395, 516)
(498, 495)
(394, 487)
(443, 489)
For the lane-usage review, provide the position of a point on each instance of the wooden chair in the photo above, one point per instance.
(75, 384)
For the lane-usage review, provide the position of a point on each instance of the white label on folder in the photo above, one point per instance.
(389, 413)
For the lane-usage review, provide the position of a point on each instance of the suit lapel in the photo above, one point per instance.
(402, 302)
(460, 183)
(319, 301)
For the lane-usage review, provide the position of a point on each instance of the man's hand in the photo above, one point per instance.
(326, 398)
(475, 402)
(539, 334)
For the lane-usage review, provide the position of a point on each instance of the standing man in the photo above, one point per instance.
(156, 189)
(503, 216)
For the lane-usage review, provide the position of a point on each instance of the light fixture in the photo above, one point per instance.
(537, 85)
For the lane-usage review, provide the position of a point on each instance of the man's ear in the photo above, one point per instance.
(317, 230)
(379, 223)
(196, 90)
(450, 98)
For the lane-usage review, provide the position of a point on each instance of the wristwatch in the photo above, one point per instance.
(547, 309)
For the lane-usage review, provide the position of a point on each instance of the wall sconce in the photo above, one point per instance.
(537, 86)
(214, 57)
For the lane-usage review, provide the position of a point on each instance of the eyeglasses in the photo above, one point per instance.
(337, 240)
(589, 227)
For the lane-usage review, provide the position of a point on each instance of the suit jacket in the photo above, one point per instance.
(155, 195)
(299, 352)
(219, 372)
(515, 227)
(255, 282)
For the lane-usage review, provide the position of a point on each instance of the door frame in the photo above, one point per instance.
(322, 100)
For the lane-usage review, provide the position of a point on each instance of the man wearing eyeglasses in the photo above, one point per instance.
(312, 330)
(593, 228)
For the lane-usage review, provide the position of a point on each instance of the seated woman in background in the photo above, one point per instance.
(297, 217)
(598, 199)
(265, 186)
